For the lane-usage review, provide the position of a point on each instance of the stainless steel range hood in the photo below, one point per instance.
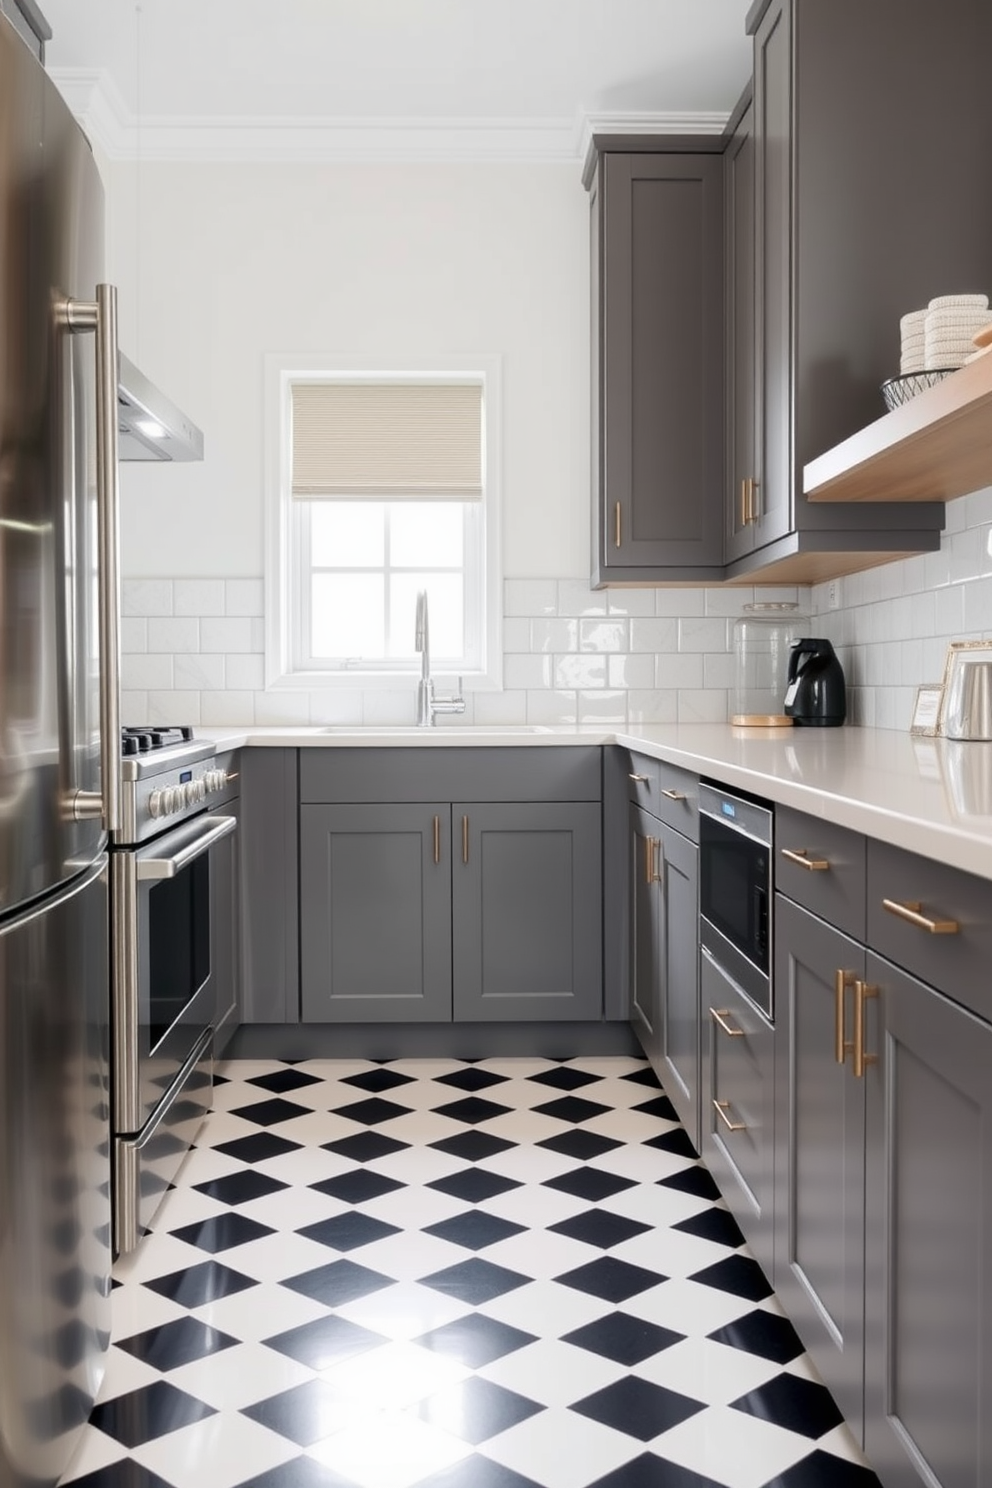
(150, 427)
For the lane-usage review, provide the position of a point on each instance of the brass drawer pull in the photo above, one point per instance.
(721, 1108)
(673, 795)
(651, 873)
(862, 992)
(842, 980)
(910, 910)
(464, 839)
(719, 1017)
(800, 856)
(437, 839)
(616, 526)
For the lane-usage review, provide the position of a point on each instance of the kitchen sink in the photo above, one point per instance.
(455, 732)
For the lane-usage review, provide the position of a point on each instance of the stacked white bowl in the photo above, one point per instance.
(940, 337)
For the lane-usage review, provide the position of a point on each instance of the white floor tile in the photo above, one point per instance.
(545, 1307)
(404, 1311)
(553, 1372)
(225, 1449)
(240, 1376)
(688, 1307)
(707, 1370)
(391, 1450)
(260, 1312)
(560, 1449)
(732, 1447)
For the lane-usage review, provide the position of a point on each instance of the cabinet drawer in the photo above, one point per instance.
(445, 774)
(822, 867)
(955, 955)
(667, 791)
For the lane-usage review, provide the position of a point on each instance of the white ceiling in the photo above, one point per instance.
(165, 77)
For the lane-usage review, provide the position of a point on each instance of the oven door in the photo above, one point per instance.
(162, 993)
(735, 904)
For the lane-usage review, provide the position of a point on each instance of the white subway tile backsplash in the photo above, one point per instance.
(579, 671)
(530, 597)
(630, 602)
(273, 708)
(679, 602)
(553, 635)
(146, 597)
(602, 707)
(655, 636)
(500, 707)
(603, 635)
(575, 597)
(696, 634)
(140, 671)
(679, 671)
(630, 671)
(516, 634)
(134, 706)
(204, 671)
(173, 706)
(198, 597)
(227, 635)
(245, 672)
(655, 705)
(229, 709)
(244, 597)
(552, 707)
(134, 635)
(526, 672)
(331, 706)
(701, 705)
(174, 635)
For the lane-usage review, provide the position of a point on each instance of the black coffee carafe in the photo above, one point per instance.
(815, 693)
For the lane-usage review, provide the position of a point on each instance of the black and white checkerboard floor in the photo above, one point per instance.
(511, 1273)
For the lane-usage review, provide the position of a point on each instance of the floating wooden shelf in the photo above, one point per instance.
(934, 448)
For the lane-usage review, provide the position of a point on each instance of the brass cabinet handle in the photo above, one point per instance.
(464, 839)
(862, 992)
(673, 795)
(651, 873)
(800, 856)
(743, 503)
(842, 980)
(638, 778)
(911, 910)
(437, 839)
(721, 1108)
(752, 502)
(719, 1016)
(616, 525)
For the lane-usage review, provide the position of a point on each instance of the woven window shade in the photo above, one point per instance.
(387, 441)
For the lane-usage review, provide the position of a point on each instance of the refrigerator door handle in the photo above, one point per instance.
(101, 316)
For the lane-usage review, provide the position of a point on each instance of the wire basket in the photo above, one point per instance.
(900, 390)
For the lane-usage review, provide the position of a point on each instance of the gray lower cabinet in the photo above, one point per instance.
(375, 913)
(433, 911)
(738, 1104)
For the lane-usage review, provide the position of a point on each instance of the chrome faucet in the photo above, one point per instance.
(428, 703)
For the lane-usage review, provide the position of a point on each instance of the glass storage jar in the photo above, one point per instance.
(763, 636)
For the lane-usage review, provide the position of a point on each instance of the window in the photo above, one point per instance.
(382, 483)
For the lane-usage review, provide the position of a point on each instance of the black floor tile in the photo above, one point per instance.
(175, 1343)
(282, 1080)
(474, 1184)
(649, 1471)
(580, 1144)
(305, 1414)
(624, 1339)
(375, 1081)
(476, 1472)
(299, 1472)
(348, 1231)
(658, 1105)
(475, 1281)
(573, 1108)
(123, 1474)
(564, 1077)
(589, 1183)
(358, 1186)
(676, 1142)
(612, 1279)
(762, 1333)
(692, 1180)
(470, 1078)
(472, 1109)
(271, 1112)
(738, 1274)
(259, 1147)
(799, 1405)
(197, 1285)
(472, 1146)
(324, 1342)
(599, 1227)
(142, 1415)
(475, 1229)
(365, 1146)
(713, 1224)
(337, 1283)
(824, 1470)
(240, 1188)
(223, 1232)
(476, 1409)
(643, 1076)
(638, 1408)
(373, 1111)
(475, 1340)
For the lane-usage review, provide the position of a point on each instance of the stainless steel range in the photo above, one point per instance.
(162, 997)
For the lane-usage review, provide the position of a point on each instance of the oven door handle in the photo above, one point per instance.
(157, 866)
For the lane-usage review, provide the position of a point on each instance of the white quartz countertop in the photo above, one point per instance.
(931, 796)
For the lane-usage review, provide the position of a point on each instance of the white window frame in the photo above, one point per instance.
(283, 554)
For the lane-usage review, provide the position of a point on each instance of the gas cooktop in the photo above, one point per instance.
(144, 738)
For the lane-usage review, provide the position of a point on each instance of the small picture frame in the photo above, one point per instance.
(926, 710)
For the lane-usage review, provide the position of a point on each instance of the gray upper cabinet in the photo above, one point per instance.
(658, 380)
(526, 895)
(742, 351)
(851, 187)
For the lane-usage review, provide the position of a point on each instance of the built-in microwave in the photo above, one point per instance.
(735, 890)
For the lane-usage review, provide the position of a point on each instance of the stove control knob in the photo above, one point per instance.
(156, 805)
(200, 787)
(188, 794)
(170, 802)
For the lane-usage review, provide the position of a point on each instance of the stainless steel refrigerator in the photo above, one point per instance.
(57, 787)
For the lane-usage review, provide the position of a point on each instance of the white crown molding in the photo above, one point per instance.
(100, 109)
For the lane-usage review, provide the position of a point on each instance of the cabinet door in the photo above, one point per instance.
(742, 468)
(738, 1104)
(679, 976)
(225, 929)
(375, 913)
(819, 1135)
(659, 447)
(527, 902)
(928, 1356)
(773, 247)
(645, 934)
